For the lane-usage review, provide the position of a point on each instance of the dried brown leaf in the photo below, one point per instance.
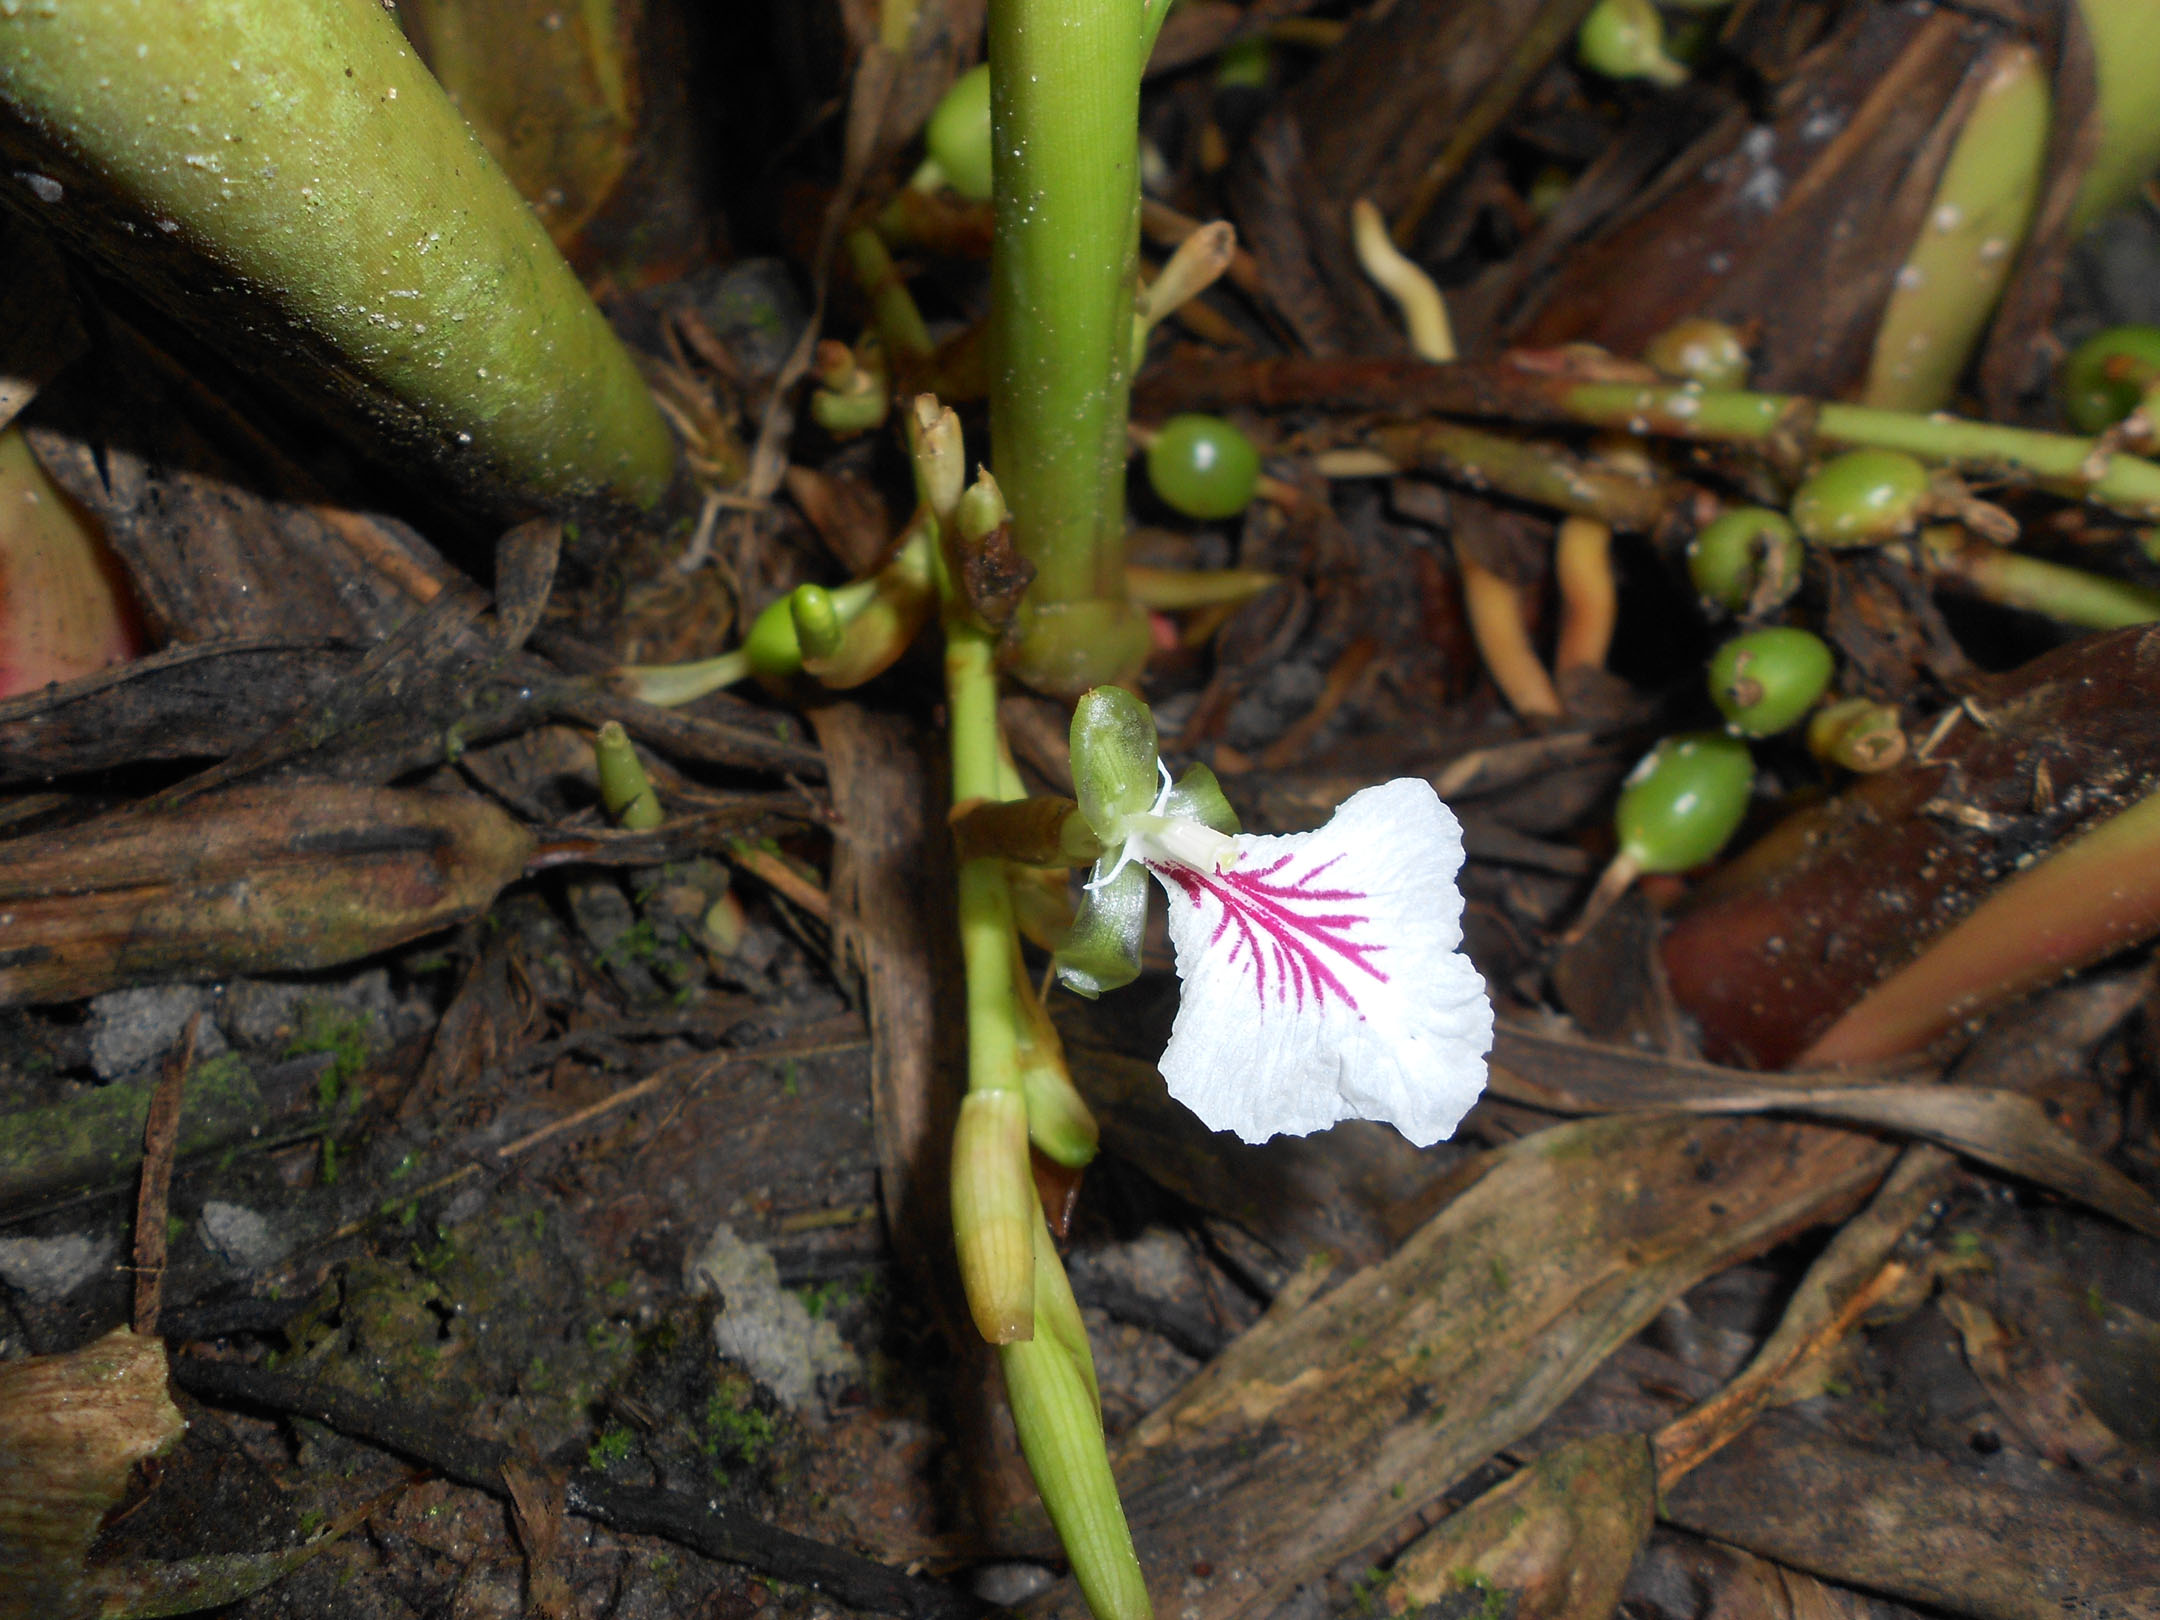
(72, 1429)
(2005, 1129)
(2026, 1547)
(255, 879)
(1558, 1537)
(1325, 1427)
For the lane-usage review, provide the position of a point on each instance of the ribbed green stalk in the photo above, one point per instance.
(1053, 1407)
(349, 221)
(1064, 114)
(993, 1203)
(2056, 459)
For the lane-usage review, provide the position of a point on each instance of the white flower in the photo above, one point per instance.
(1323, 973)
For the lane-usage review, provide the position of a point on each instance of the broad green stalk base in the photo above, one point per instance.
(1064, 111)
(287, 176)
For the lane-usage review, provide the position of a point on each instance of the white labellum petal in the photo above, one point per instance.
(1323, 976)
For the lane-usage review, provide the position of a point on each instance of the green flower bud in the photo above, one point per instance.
(1102, 951)
(817, 621)
(1625, 39)
(625, 793)
(1766, 680)
(2108, 376)
(1701, 351)
(1686, 798)
(958, 135)
(1861, 498)
(994, 1214)
(1746, 560)
(982, 509)
(1113, 759)
(771, 646)
(1059, 1122)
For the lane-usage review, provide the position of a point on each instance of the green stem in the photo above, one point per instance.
(892, 306)
(986, 917)
(2056, 459)
(1988, 571)
(1042, 1344)
(1526, 469)
(1064, 113)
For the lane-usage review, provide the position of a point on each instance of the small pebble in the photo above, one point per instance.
(241, 1237)
(1009, 1584)
(129, 1028)
(49, 1269)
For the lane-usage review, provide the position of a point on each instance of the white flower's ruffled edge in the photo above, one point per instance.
(1324, 980)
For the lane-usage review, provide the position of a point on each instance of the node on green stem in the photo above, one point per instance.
(1203, 466)
(1746, 561)
(2109, 375)
(1765, 681)
(1862, 498)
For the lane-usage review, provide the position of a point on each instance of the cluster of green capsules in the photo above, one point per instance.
(1687, 797)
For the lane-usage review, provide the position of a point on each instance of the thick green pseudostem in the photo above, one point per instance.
(284, 175)
(1064, 116)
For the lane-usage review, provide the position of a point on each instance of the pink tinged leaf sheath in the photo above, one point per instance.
(1324, 978)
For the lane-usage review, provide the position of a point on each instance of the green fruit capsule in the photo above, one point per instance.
(1746, 560)
(1861, 498)
(1702, 351)
(1766, 680)
(958, 135)
(1203, 466)
(1683, 801)
(2108, 375)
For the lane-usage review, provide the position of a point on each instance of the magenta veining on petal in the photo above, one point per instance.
(1276, 930)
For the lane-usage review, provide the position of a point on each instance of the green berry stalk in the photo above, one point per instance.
(284, 178)
(1018, 1089)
